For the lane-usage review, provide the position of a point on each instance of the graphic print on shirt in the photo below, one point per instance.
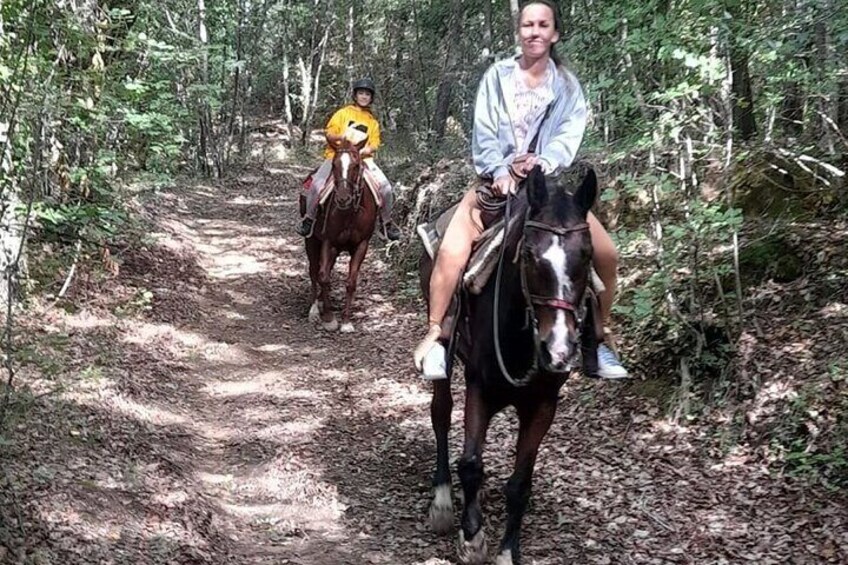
(357, 125)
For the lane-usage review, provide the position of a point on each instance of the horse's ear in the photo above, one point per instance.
(361, 144)
(537, 190)
(588, 192)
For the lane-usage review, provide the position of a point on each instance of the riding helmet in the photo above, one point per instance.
(364, 84)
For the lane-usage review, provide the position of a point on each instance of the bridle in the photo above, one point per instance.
(531, 299)
(353, 185)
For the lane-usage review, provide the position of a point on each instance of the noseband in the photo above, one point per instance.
(530, 299)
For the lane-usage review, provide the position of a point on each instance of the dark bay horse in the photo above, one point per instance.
(519, 339)
(345, 223)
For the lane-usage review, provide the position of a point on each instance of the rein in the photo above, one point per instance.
(529, 299)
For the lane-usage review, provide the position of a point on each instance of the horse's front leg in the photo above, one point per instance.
(313, 253)
(441, 508)
(472, 541)
(353, 275)
(325, 271)
(534, 422)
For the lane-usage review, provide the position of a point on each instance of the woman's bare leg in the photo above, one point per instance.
(605, 261)
(453, 255)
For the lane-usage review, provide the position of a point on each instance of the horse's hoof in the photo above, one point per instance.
(472, 552)
(347, 328)
(330, 326)
(314, 313)
(504, 558)
(441, 510)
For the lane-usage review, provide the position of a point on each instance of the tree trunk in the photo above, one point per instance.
(513, 21)
(236, 95)
(205, 113)
(351, 20)
(315, 86)
(792, 109)
(842, 105)
(11, 234)
(448, 75)
(744, 120)
(488, 34)
(420, 77)
(310, 77)
(825, 103)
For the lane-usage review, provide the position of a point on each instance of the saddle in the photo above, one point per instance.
(329, 185)
(485, 250)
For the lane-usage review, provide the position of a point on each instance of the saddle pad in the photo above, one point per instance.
(484, 251)
(370, 182)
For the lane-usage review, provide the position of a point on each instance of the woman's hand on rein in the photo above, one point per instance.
(523, 165)
(504, 185)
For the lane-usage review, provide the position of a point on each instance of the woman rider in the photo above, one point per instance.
(510, 110)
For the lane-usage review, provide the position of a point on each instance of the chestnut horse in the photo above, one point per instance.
(345, 223)
(519, 339)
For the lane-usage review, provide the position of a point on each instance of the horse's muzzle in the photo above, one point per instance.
(559, 357)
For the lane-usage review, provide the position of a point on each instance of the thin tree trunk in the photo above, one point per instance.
(421, 75)
(842, 105)
(351, 19)
(513, 20)
(743, 97)
(315, 88)
(305, 96)
(205, 117)
(488, 35)
(287, 102)
(443, 97)
(826, 108)
(236, 95)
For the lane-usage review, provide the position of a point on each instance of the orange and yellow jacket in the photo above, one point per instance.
(356, 117)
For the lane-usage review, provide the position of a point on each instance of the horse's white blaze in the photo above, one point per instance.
(558, 344)
(345, 161)
(555, 255)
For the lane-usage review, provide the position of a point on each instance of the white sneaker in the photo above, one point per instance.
(609, 367)
(434, 366)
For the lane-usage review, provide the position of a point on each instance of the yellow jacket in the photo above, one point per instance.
(356, 117)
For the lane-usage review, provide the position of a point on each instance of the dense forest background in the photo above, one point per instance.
(719, 129)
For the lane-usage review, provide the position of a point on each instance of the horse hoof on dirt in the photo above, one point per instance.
(504, 558)
(441, 510)
(314, 313)
(472, 552)
(347, 328)
(330, 326)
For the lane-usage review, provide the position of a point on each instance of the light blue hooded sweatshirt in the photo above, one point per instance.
(493, 144)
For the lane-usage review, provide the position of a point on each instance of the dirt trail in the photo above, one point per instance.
(220, 427)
